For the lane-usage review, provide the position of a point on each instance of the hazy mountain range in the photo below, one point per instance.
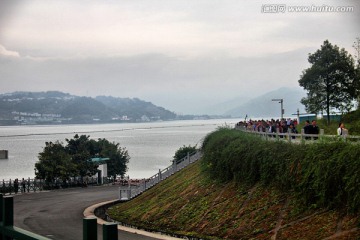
(58, 107)
(261, 106)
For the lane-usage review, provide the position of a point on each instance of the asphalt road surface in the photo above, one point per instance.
(58, 214)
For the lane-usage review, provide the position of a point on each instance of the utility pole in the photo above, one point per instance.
(281, 101)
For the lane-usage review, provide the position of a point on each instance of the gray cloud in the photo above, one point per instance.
(183, 55)
(183, 85)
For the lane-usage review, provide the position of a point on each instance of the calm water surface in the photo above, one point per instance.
(150, 145)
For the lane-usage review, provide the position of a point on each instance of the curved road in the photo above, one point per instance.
(58, 214)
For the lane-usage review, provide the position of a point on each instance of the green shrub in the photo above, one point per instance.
(183, 152)
(324, 174)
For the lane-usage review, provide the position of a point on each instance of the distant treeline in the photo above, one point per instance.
(75, 109)
(322, 174)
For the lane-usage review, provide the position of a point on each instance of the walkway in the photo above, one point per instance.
(59, 214)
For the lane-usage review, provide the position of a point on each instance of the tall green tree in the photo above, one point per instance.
(356, 47)
(330, 81)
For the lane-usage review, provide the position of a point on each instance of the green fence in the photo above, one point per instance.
(8, 231)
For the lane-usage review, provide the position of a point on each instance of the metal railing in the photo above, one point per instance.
(132, 189)
(37, 185)
(7, 228)
(9, 231)
(299, 137)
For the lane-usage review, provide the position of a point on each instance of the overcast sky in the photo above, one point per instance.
(183, 55)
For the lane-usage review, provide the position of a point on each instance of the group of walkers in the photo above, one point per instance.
(271, 126)
(285, 126)
(23, 185)
(280, 126)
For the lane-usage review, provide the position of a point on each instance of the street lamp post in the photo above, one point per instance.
(281, 101)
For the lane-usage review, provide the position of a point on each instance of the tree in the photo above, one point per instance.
(79, 149)
(57, 161)
(119, 157)
(54, 162)
(356, 46)
(183, 152)
(330, 81)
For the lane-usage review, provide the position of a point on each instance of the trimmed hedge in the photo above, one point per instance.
(322, 174)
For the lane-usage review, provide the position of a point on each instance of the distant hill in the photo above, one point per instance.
(263, 106)
(57, 107)
(223, 107)
(135, 108)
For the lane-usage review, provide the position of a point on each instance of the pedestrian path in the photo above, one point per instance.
(134, 188)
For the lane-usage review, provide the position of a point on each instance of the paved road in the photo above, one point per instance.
(59, 214)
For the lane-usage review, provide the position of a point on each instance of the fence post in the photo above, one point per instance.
(321, 133)
(3, 186)
(120, 193)
(267, 134)
(289, 135)
(8, 211)
(160, 177)
(302, 134)
(7, 215)
(110, 231)
(89, 229)
(1, 216)
(174, 166)
(1, 209)
(188, 157)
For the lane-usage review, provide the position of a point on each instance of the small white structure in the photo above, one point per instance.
(103, 172)
(102, 169)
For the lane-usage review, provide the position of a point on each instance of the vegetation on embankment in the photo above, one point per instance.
(324, 174)
(247, 188)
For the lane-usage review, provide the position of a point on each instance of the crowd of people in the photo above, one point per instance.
(272, 126)
(285, 126)
(278, 126)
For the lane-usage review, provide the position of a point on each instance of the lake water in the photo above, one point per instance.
(151, 146)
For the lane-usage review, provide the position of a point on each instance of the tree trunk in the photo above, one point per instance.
(328, 103)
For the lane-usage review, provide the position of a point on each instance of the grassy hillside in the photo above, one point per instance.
(190, 203)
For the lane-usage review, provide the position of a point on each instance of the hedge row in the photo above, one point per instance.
(324, 174)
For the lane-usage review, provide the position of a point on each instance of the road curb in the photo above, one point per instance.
(90, 212)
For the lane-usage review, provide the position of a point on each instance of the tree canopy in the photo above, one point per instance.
(331, 80)
(183, 152)
(356, 47)
(59, 161)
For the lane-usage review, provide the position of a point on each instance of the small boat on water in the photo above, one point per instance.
(4, 154)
